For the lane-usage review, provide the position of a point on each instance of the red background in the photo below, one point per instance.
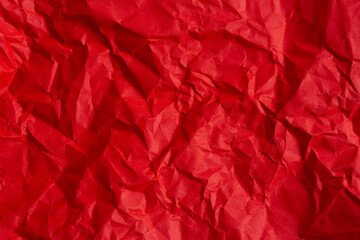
(150, 119)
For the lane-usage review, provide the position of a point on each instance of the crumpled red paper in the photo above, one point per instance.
(151, 119)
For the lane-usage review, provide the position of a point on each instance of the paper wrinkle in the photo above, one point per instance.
(151, 119)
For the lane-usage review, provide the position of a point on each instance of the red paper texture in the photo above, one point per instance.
(167, 119)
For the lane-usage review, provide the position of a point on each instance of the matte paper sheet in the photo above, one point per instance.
(168, 119)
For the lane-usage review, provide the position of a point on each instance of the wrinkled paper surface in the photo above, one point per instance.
(151, 119)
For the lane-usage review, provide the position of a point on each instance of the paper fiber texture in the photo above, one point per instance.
(167, 119)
